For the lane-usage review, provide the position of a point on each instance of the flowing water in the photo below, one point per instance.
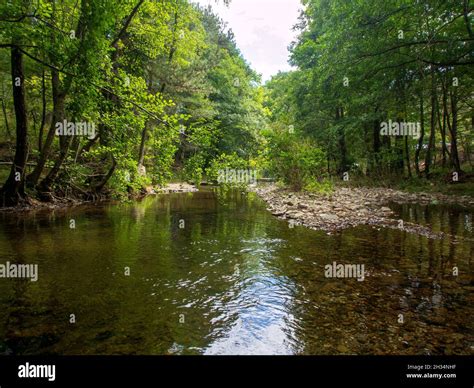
(213, 272)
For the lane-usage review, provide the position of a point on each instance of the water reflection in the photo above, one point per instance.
(254, 314)
(233, 280)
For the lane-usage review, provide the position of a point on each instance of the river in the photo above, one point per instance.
(213, 272)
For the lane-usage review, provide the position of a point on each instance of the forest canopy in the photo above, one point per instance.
(104, 98)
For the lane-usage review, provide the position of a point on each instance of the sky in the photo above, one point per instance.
(262, 29)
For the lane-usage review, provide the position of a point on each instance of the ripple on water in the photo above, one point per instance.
(236, 280)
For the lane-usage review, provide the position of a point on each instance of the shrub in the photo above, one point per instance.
(194, 169)
(295, 161)
(323, 186)
(225, 161)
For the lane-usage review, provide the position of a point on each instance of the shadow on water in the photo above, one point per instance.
(214, 273)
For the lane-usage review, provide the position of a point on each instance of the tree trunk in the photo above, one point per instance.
(342, 142)
(43, 112)
(466, 18)
(422, 135)
(376, 145)
(431, 142)
(98, 188)
(442, 129)
(4, 110)
(58, 116)
(65, 143)
(454, 134)
(13, 192)
(407, 157)
(141, 152)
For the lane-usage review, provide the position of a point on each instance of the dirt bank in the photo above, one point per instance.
(32, 204)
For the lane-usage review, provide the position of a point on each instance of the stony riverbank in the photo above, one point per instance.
(349, 207)
(180, 187)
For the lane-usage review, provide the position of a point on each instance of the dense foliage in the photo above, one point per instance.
(161, 83)
(372, 63)
(160, 91)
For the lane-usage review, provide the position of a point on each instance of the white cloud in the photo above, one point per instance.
(263, 30)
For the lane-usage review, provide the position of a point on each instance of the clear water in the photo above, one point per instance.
(232, 279)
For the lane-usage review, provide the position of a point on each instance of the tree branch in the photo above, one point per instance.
(126, 23)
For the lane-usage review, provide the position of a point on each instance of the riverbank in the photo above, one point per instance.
(32, 204)
(177, 187)
(349, 207)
